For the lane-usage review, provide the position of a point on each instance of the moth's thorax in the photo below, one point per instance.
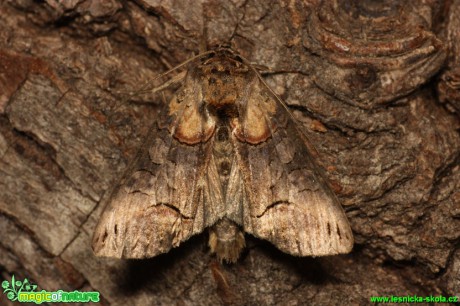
(224, 79)
(222, 90)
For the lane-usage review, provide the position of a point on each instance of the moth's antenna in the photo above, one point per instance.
(248, 63)
(204, 34)
(145, 87)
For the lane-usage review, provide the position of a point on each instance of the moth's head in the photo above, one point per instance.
(223, 60)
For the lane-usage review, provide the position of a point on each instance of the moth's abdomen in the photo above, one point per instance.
(226, 240)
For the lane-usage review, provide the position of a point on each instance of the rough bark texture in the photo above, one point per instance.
(366, 81)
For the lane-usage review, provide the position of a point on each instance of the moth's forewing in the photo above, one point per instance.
(169, 192)
(287, 200)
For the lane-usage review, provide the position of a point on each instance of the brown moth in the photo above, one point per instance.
(224, 154)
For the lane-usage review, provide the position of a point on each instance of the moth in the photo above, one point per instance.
(225, 154)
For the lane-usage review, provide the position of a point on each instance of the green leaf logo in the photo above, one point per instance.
(5, 284)
(13, 288)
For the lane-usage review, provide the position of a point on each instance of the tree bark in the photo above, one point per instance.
(375, 87)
